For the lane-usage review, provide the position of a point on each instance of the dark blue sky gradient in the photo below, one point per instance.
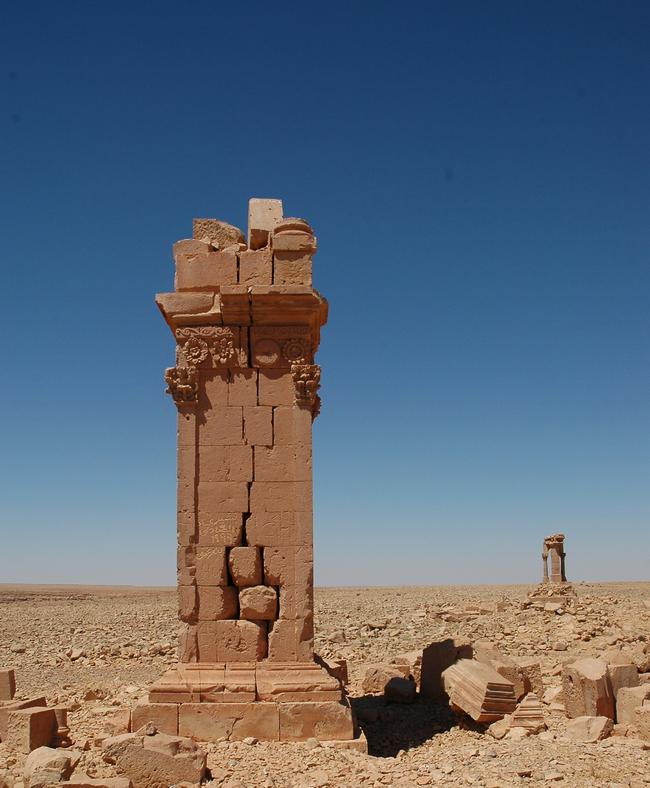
(478, 175)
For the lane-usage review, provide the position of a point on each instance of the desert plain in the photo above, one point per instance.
(97, 649)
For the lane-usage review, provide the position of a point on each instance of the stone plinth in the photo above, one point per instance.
(247, 326)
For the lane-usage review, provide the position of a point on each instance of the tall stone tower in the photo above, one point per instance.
(246, 321)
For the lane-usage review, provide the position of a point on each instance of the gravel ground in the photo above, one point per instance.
(96, 649)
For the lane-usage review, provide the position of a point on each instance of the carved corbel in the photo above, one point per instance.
(182, 384)
(306, 379)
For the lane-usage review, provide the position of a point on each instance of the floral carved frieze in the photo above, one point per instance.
(221, 344)
(280, 346)
(182, 384)
(306, 379)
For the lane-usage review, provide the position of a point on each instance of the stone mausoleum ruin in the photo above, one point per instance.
(554, 587)
(246, 322)
(554, 546)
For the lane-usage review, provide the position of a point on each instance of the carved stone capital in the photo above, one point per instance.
(306, 378)
(182, 384)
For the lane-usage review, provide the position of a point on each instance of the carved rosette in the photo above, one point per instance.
(306, 379)
(281, 346)
(182, 384)
(196, 343)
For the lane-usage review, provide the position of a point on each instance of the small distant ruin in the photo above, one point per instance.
(554, 546)
(554, 588)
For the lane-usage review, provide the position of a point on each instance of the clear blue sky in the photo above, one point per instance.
(478, 175)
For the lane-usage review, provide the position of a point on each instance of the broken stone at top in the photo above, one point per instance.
(263, 215)
(220, 234)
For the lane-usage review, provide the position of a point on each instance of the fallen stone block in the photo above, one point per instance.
(412, 660)
(642, 720)
(487, 653)
(628, 700)
(529, 714)
(400, 690)
(154, 761)
(587, 690)
(589, 729)
(436, 658)
(377, 677)
(30, 728)
(622, 675)
(46, 765)
(500, 728)
(11, 706)
(338, 668)
(118, 723)
(7, 684)
(478, 690)
(531, 670)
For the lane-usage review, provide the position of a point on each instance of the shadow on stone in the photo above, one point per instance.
(390, 727)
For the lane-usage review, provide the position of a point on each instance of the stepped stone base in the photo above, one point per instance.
(269, 701)
(562, 593)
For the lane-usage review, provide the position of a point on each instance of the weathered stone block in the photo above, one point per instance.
(280, 529)
(292, 268)
(258, 603)
(258, 425)
(282, 463)
(155, 761)
(642, 720)
(222, 529)
(206, 270)
(531, 670)
(216, 603)
(281, 497)
(263, 216)
(187, 603)
(319, 720)
(628, 700)
(256, 267)
(232, 721)
(30, 728)
(164, 716)
(221, 497)
(242, 389)
(291, 426)
(587, 690)
(7, 684)
(622, 675)
(240, 641)
(220, 234)
(589, 729)
(276, 387)
(226, 464)
(291, 641)
(245, 565)
(223, 426)
(211, 566)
